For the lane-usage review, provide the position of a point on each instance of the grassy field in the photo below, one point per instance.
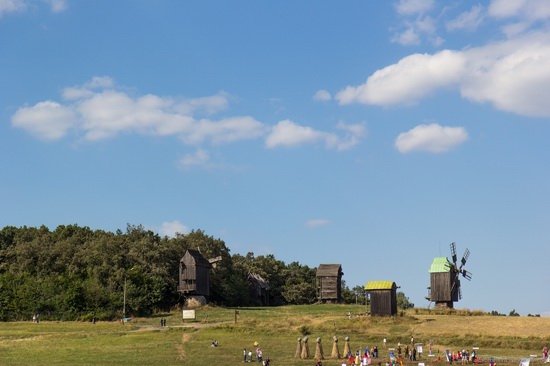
(144, 342)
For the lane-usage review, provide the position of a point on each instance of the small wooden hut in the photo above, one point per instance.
(329, 283)
(194, 274)
(444, 287)
(383, 298)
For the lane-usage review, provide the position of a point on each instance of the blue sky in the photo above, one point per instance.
(367, 133)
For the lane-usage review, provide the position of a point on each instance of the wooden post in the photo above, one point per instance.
(236, 313)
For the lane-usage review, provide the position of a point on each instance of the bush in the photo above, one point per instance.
(304, 330)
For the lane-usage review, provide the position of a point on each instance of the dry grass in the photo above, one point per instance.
(143, 342)
(483, 326)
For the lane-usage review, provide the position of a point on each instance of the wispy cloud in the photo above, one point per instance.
(12, 6)
(171, 228)
(431, 138)
(469, 20)
(288, 134)
(199, 158)
(58, 6)
(322, 95)
(413, 7)
(317, 222)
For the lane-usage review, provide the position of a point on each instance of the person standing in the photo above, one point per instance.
(244, 355)
(385, 340)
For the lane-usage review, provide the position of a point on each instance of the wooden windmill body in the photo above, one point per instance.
(194, 273)
(445, 279)
(329, 283)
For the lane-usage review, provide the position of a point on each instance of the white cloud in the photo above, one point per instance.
(469, 20)
(513, 75)
(414, 30)
(46, 120)
(209, 105)
(411, 79)
(522, 13)
(431, 138)
(317, 222)
(322, 95)
(97, 110)
(58, 6)
(199, 158)
(411, 7)
(225, 130)
(529, 10)
(10, 6)
(171, 228)
(408, 37)
(287, 133)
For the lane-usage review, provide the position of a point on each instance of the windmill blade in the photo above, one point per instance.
(465, 257)
(467, 275)
(456, 283)
(453, 252)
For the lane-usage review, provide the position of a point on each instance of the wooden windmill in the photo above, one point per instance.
(445, 279)
(329, 283)
(194, 273)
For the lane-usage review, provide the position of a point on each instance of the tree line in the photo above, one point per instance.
(76, 273)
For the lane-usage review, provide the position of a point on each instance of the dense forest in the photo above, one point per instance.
(76, 273)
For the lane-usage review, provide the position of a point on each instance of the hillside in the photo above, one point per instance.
(143, 341)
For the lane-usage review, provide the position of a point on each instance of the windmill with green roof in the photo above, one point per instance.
(445, 279)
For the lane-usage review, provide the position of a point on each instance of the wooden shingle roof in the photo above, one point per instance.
(329, 270)
(197, 258)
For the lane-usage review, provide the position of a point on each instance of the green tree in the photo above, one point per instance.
(299, 285)
(348, 296)
(403, 301)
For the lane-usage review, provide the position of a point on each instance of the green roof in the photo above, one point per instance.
(440, 264)
(379, 285)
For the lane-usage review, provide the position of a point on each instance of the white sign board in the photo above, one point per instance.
(524, 362)
(188, 314)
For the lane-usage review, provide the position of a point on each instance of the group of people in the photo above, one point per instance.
(162, 322)
(364, 358)
(463, 357)
(248, 355)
